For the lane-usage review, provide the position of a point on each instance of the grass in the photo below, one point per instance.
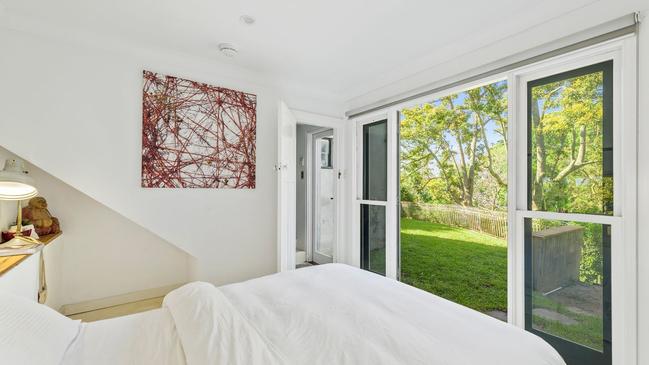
(587, 331)
(470, 268)
(467, 267)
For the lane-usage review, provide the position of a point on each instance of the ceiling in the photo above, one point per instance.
(340, 47)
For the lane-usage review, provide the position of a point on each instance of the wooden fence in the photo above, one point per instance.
(475, 219)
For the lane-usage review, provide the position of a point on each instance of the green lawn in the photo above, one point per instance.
(470, 268)
(467, 267)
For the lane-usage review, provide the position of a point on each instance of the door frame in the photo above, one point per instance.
(286, 252)
(312, 189)
(286, 187)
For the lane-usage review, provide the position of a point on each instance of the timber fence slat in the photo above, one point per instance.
(475, 219)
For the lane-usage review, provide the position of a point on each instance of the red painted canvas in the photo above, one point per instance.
(196, 135)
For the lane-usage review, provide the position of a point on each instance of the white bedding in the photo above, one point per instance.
(139, 339)
(336, 314)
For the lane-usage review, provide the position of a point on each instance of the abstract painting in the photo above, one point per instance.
(196, 135)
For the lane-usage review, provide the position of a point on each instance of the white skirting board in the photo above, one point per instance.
(90, 305)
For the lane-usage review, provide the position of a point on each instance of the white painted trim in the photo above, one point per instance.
(286, 207)
(393, 197)
(624, 268)
(515, 246)
(338, 126)
(91, 305)
(372, 202)
(308, 244)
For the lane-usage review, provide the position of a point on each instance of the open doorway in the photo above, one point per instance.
(316, 201)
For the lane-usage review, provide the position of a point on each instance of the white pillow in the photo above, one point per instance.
(32, 333)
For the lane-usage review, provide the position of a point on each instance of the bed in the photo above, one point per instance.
(327, 314)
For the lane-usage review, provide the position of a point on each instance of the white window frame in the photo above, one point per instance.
(623, 222)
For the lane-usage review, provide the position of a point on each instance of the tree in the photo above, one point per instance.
(449, 144)
(566, 121)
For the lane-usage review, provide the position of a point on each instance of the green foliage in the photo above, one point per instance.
(567, 142)
(453, 150)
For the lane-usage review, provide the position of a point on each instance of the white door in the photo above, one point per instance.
(324, 197)
(286, 150)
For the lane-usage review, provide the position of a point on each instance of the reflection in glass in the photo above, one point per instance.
(375, 157)
(569, 294)
(373, 238)
(571, 141)
(325, 153)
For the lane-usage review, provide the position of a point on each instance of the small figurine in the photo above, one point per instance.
(37, 214)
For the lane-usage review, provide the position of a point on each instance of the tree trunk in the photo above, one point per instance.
(539, 173)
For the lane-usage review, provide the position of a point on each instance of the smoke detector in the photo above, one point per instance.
(228, 49)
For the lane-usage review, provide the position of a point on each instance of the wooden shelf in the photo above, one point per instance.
(9, 262)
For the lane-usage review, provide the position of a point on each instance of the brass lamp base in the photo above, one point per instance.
(20, 241)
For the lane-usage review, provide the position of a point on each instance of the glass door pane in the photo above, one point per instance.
(569, 270)
(373, 238)
(375, 161)
(570, 141)
(325, 195)
(570, 170)
(374, 196)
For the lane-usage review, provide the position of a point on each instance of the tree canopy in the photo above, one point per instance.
(454, 149)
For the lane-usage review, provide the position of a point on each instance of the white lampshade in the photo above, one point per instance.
(15, 184)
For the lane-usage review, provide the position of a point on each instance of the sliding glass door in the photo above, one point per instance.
(374, 193)
(570, 192)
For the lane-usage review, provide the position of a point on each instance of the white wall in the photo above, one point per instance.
(101, 253)
(77, 108)
(643, 192)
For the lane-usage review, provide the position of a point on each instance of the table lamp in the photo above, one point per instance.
(16, 185)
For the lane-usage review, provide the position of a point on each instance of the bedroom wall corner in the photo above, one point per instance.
(84, 99)
(101, 253)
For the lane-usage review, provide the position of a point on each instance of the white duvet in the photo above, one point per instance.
(336, 314)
